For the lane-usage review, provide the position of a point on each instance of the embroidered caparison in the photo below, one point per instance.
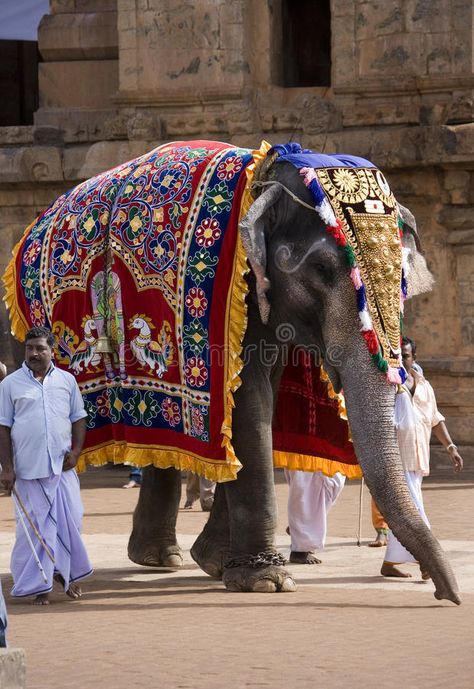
(140, 274)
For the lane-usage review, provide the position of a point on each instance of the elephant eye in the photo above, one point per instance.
(324, 271)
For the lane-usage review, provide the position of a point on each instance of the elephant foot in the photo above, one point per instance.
(156, 555)
(270, 579)
(210, 556)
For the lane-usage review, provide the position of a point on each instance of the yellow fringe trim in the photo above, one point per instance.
(258, 155)
(19, 326)
(237, 318)
(341, 402)
(160, 457)
(329, 467)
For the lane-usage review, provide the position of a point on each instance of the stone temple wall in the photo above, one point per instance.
(118, 77)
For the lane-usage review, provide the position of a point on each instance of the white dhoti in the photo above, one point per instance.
(396, 554)
(310, 497)
(55, 507)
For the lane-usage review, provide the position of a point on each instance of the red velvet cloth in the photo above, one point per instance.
(308, 431)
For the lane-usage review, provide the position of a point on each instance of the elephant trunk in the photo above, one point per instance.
(370, 402)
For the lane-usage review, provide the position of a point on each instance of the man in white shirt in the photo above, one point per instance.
(416, 415)
(42, 430)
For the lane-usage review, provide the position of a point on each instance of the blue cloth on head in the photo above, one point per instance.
(299, 157)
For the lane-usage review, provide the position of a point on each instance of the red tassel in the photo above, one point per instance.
(337, 233)
(372, 342)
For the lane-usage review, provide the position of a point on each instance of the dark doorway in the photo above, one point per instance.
(306, 42)
(18, 82)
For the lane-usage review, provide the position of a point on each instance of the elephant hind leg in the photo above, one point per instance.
(153, 539)
(211, 548)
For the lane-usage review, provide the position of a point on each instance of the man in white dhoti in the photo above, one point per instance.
(310, 497)
(416, 415)
(42, 430)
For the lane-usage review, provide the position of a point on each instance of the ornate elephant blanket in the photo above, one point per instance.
(140, 274)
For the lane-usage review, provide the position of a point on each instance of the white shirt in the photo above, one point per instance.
(40, 416)
(414, 418)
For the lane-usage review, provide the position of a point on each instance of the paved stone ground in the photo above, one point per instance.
(346, 626)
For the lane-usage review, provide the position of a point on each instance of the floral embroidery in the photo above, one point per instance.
(89, 226)
(229, 167)
(208, 232)
(103, 404)
(170, 411)
(196, 372)
(196, 302)
(32, 252)
(134, 225)
(197, 421)
(37, 313)
(109, 404)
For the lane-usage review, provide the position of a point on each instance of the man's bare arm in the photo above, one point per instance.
(78, 436)
(7, 474)
(441, 432)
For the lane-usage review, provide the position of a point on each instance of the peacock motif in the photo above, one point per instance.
(157, 355)
(85, 354)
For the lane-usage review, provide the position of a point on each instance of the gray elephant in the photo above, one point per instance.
(323, 236)
(300, 277)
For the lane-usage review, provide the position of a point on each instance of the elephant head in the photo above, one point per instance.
(303, 279)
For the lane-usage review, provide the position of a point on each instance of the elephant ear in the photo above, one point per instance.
(252, 231)
(418, 276)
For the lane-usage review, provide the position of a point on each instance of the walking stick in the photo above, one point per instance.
(36, 532)
(30, 542)
(359, 535)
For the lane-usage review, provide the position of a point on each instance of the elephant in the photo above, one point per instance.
(328, 248)
(319, 302)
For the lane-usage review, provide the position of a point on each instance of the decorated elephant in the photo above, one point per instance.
(189, 359)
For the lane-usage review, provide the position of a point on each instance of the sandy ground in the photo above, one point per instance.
(345, 626)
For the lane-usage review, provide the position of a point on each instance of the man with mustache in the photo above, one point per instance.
(42, 430)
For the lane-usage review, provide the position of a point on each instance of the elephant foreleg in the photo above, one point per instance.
(153, 539)
(254, 564)
(212, 546)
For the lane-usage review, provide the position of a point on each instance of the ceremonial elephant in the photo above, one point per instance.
(323, 236)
